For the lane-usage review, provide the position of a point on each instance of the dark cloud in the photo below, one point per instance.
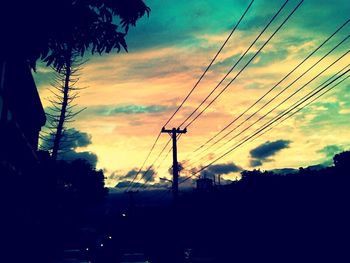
(71, 140)
(131, 109)
(76, 138)
(219, 169)
(269, 149)
(160, 185)
(137, 109)
(180, 168)
(136, 185)
(126, 184)
(90, 157)
(189, 183)
(316, 167)
(130, 175)
(113, 176)
(255, 162)
(263, 152)
(285, 171)
(148, 175)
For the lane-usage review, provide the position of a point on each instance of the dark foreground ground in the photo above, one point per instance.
(263, 218)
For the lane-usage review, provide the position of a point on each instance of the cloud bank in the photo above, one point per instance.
(265, 151)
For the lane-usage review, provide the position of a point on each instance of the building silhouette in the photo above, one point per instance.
(21, 116)
(204, 184)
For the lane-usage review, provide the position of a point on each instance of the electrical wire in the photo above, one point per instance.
(219, 94)
(143, 164)
(210, 64)
(234, 66)
(273, 88)
(278, 94)
(264, 127)
(194, 87)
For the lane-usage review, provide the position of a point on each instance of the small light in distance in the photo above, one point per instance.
(101, 245)
(109, 237)
(124, 215)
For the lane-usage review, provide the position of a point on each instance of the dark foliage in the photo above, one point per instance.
(342, 161)
(75, 183)
(44, 207)
(46, 29)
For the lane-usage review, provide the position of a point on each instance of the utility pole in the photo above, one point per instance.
(173, 133)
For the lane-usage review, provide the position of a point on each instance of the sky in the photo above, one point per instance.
(129, 96)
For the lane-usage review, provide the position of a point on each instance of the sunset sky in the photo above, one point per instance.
(129, 96)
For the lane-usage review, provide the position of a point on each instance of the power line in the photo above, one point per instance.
(269, 123)
(270, 90)
(150, 167)
(210, 64)
(262, 128)
(278, 94)
(297, 105)
(234, 66)
(286, 99)
(145, 185)
(196, 84)
(200, 113)
(301, 101)
(166, 156)
(144, 162)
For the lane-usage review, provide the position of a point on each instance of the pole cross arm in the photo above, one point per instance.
(173, 130)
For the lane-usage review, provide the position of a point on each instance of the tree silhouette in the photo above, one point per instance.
(342, 160)
(79, 182)
(85, 25)
(62, 109)
(47, 29)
